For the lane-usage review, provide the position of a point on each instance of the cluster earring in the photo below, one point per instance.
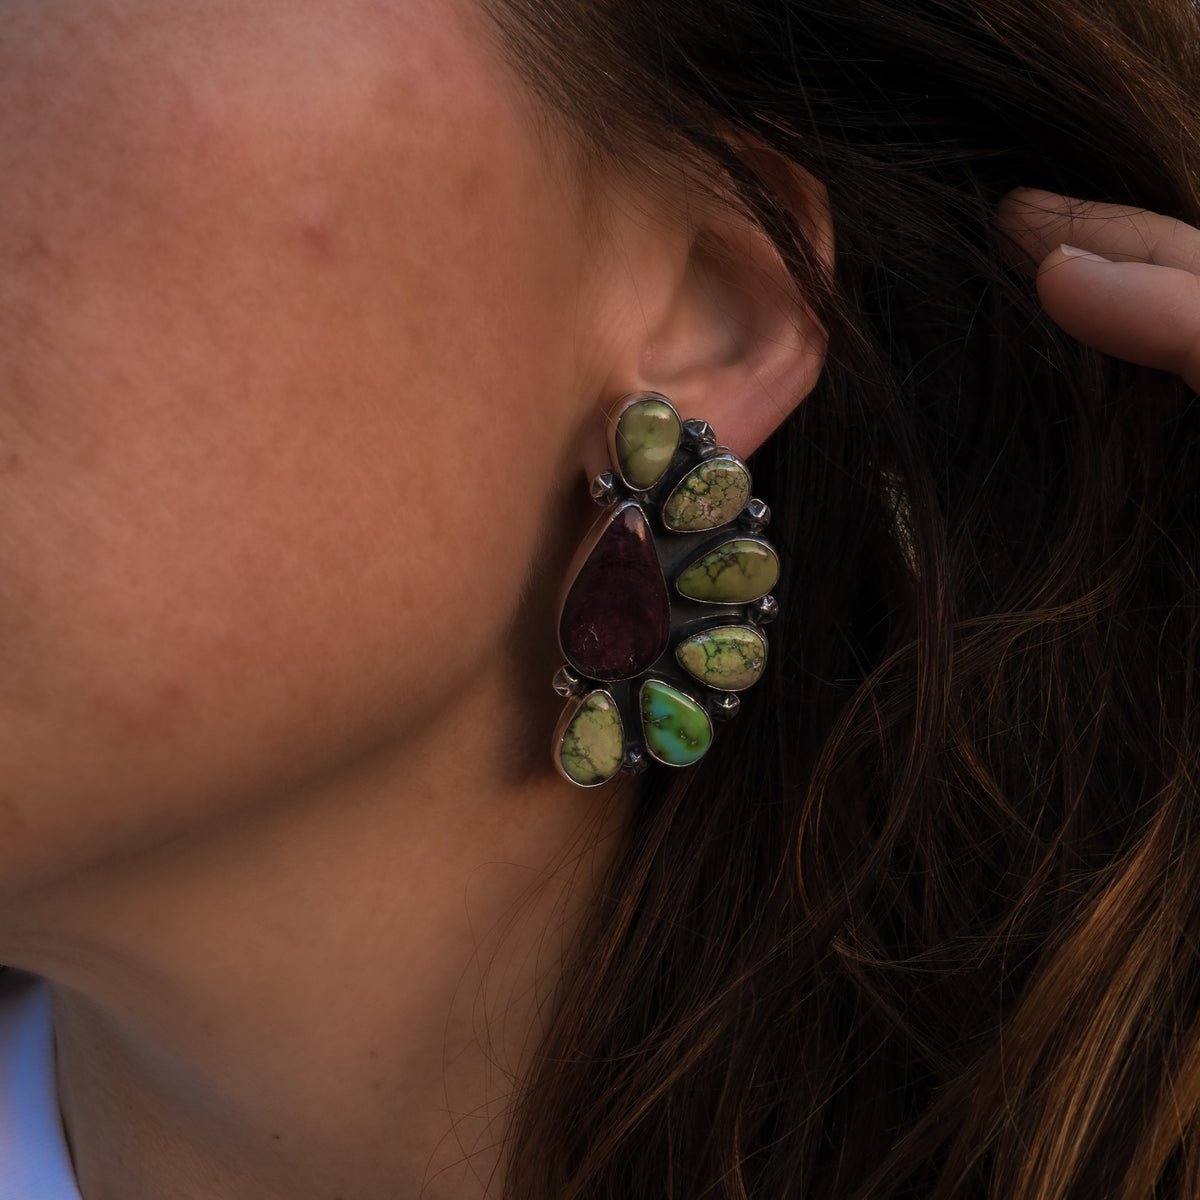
(661, 623)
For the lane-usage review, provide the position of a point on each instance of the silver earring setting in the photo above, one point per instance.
(661, 623)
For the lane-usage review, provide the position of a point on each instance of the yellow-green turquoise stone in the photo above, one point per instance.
(593, 744)
(730, 658)
(710, 495)
(735, 573)
(677, 729)
(645, 441)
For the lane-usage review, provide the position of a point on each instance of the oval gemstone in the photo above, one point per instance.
(616, 618)
(708, 496)
(676, 727)
(645, 441)
(593, 743)
(730, 658)
(736, 573)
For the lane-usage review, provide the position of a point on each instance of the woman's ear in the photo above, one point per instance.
(715, 321)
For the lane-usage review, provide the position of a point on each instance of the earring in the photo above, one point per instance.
(661, 623)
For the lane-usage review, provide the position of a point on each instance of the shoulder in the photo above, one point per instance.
(33, 1153)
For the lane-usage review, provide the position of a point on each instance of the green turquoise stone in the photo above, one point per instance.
(730, 658)
(645, 441)
(735, 573)
(677, 729)
(593, 742)
(710, 495)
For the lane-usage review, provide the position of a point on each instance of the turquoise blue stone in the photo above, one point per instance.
(593, 744)
(677, 729)
(710, 495)
(737, 572)
(729, 658)
(644, 441)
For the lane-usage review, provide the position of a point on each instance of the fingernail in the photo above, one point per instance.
(1075, 252)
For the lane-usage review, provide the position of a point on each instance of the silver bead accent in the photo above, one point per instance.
(764, 610)
(727, 513)
(567, 683)
(635, 761)
(604, 488)
(757, 515)
(700, 433)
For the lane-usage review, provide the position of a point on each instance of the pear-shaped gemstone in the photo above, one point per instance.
(711, 494)
(737, 572)
(593, 743)
(677, 729)
(645, 440)
(616, 618)
(730, 658)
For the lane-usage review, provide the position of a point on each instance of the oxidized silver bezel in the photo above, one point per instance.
(740, 536)
(614, 458)
(676, 551)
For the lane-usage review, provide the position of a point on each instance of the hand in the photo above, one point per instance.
(1139, 300)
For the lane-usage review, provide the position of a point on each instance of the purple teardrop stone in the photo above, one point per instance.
(616, 618)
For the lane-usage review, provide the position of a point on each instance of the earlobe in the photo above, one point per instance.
(733, 338)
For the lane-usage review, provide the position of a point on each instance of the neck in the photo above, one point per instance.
(320, 999)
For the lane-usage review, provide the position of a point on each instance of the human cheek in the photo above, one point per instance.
(282, 398)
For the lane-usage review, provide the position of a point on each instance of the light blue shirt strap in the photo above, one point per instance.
(34, 1163)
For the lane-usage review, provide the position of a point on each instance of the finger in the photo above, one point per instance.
(1038, 222)
(1144, 313)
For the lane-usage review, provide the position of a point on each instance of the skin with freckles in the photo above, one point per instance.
(258, 324)
(308, 323)
(308, 326)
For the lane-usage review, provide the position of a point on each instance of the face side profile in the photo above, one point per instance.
(296, 340)
(311, 312)
(309, 322)
(306, 320)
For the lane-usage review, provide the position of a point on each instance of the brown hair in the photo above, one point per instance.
(928, 925)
